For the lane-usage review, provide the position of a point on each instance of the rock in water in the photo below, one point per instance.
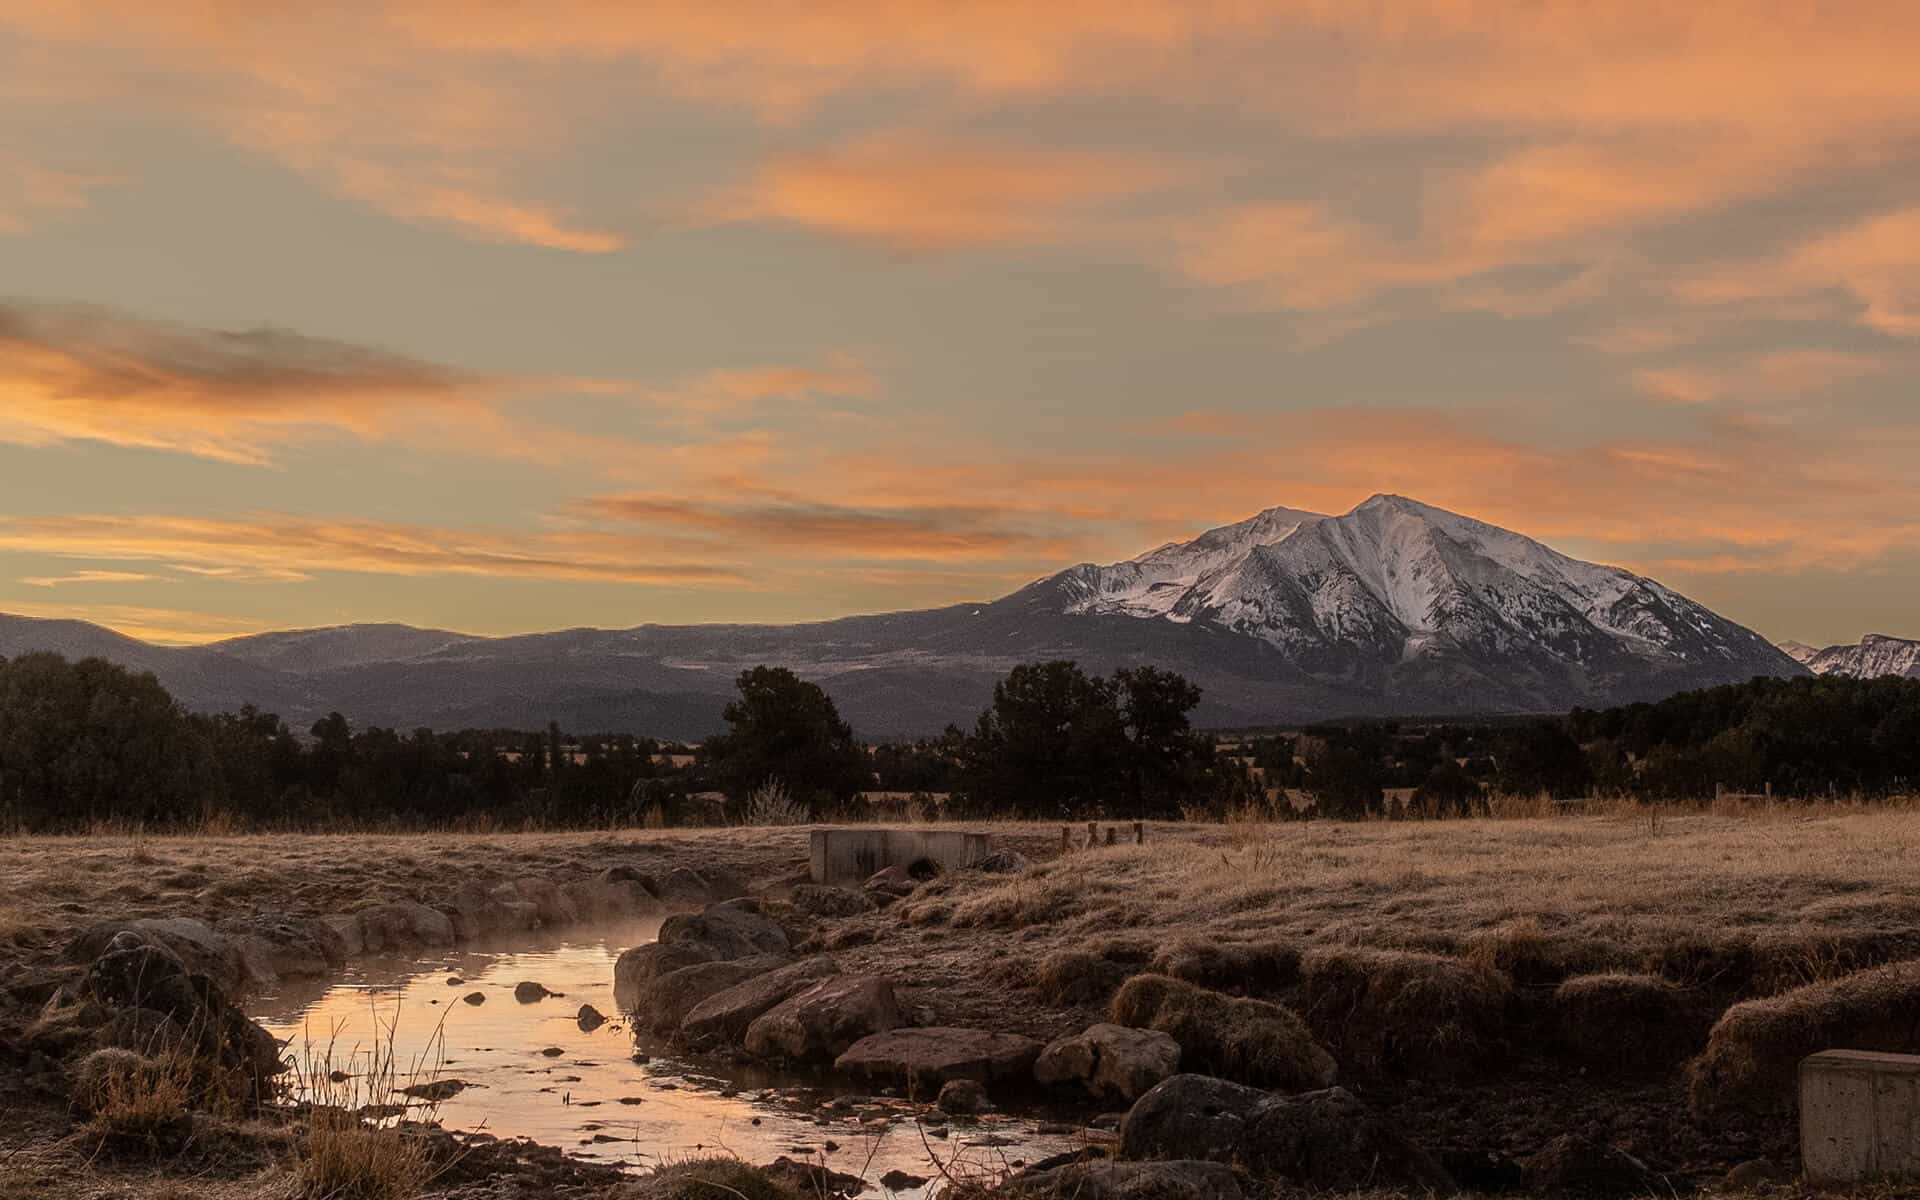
(936, 1054)
(1110, 1060)
(589, 1018)
(826, 1019)
(963, 1097)
(530, 993)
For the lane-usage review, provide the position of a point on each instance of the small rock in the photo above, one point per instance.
(454, 981)
(961, 1097)
(553, 1052)
(475, 998)
(436, 1091)
(590, 1018)
(530, 993)
(900, 1181)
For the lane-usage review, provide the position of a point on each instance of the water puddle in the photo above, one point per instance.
(534, 1071)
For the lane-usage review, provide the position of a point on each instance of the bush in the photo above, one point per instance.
(1249, 1041)
(1400, 1011)
(135, 1104)
(1755, 1049)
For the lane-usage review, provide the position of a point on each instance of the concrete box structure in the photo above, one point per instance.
(1859, 1116)
(853, 855)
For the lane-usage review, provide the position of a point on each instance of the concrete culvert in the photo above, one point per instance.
(1619, 1024)
(1249, 1041)
(1755, 1049)
(1402, 1012)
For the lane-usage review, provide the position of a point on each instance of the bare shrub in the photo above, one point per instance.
(1504, 807)
(135, 1103)
(1250, 1041)
(770, 804)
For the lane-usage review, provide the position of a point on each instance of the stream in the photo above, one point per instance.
(533, 1071)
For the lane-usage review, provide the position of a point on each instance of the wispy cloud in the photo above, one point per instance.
(928, 195)
(278, 542)
(789, 524)
(87, 374)
(77, 577)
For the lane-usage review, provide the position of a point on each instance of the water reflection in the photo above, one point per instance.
(534, 1071)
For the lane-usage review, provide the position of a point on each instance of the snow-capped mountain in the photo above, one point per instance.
(1871, 657)
(1396, 580)
(1395, 608)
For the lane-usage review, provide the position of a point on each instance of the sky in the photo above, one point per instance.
(503, 317)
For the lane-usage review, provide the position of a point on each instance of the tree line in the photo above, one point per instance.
(91, 743)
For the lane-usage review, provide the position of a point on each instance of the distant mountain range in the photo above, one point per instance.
(1395, 608)
(1869, 658)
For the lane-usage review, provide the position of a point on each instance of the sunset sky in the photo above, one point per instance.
(502, 317)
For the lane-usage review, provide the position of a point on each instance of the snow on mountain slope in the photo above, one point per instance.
(1875, 655)
(1395, 578)
(1153, 584)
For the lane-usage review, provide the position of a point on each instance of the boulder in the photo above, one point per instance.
(825, 1019)
(1097, 1179)
(274, 948)
(662, 1007)
(346, 927)
(725, 1016)
(1109, 1060)
(479, 910)
(727, 931)
(404, 925)
(963, 1098)
(136, 974)
(636, 970)
(684, 886)
(1323, 1141)
(1190, 1116)
(927, 1056)
(724, 884)
(549, 900)
(198, 948)
(813, 900)
(143, 1031)
(1330, 1141)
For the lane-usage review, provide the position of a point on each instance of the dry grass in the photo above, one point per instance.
(1756, 1047)
(1249, 1041)
(351, 1147)
(1620, 1024)
(1407, 1012)
(136, 1104)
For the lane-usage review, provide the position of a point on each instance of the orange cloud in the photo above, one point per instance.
(277, 542)
(77, 374)
(784, 524)
(52, 581)
(1876, 262)
(30, 190)
(936, 197)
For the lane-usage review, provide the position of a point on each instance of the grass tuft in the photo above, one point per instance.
(1249, 1041)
